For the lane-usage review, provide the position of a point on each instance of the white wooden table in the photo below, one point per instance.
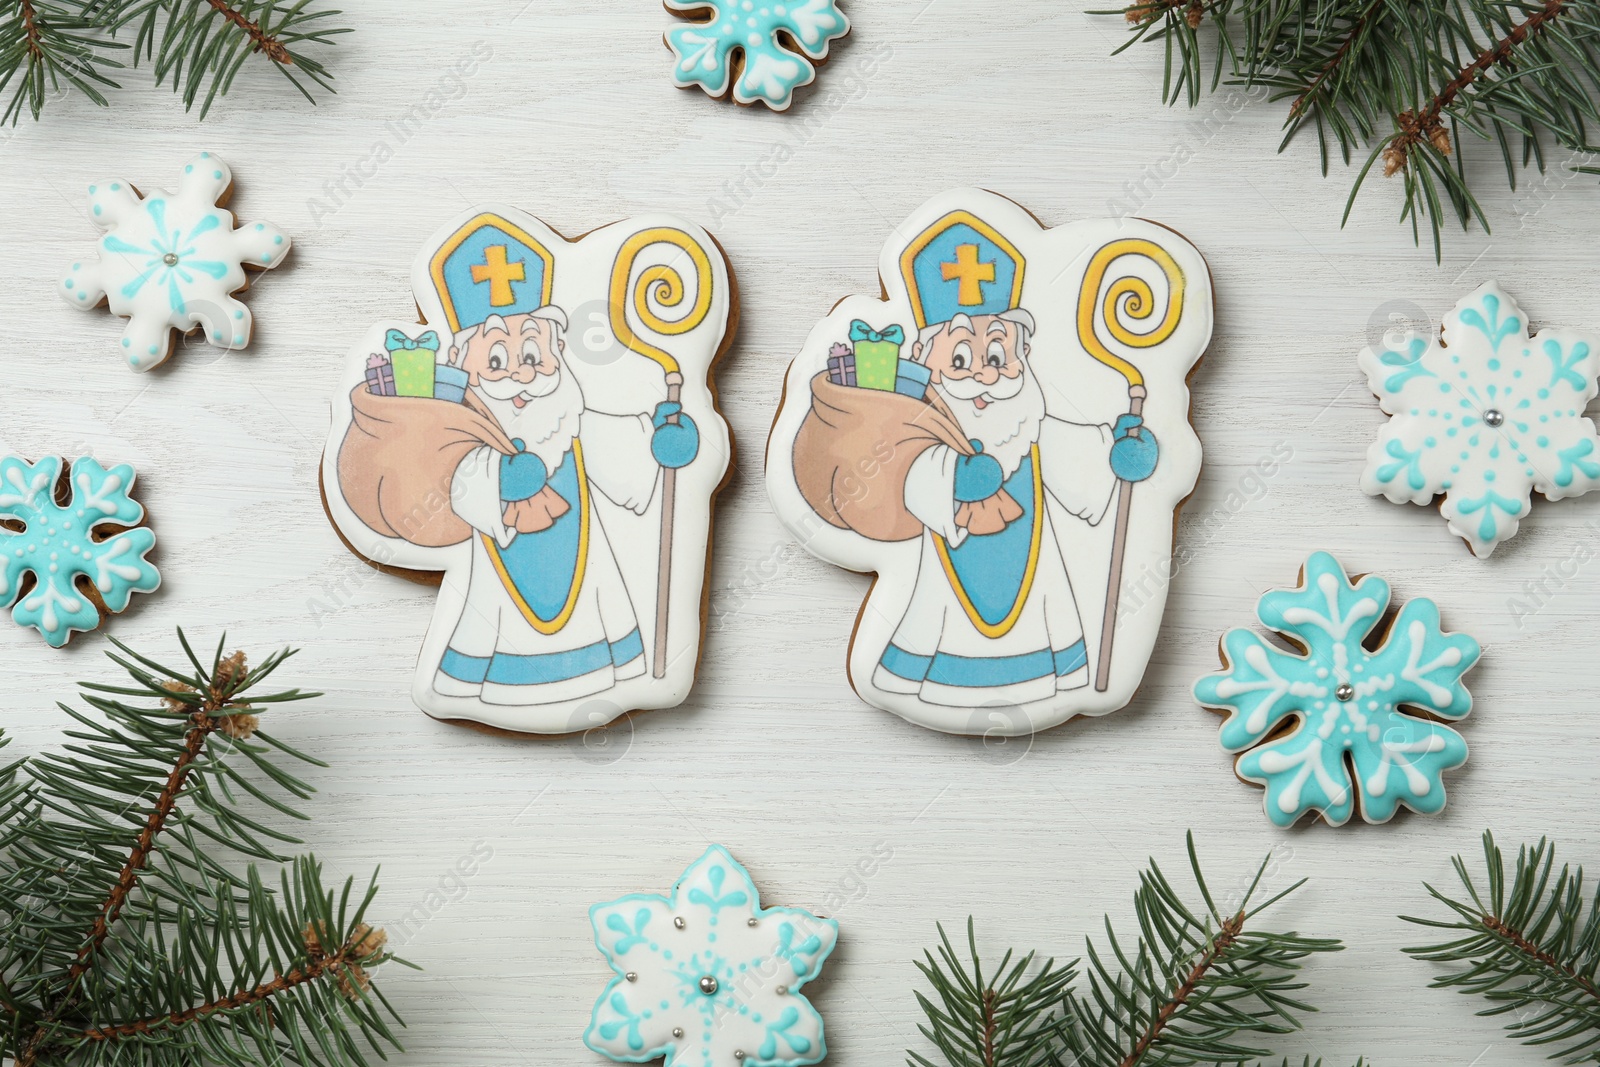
(574, 118)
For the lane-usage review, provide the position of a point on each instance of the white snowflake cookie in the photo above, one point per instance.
(1484, 414)
(172, 261)
(708, 977)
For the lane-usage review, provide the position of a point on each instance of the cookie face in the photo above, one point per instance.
(1484, 413)
(71, 548)
(1004, 439)
(1352, 719)
(548, 439)
(172, 262)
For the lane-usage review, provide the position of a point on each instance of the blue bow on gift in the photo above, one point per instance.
(860, 331)
(395, 339)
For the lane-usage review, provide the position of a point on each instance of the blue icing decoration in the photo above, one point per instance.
(695, 1006)
(57, 544)
(1286, 718)
(172, 261)
(1515, 423)
(703, 51)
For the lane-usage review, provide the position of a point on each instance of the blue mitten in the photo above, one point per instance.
(521, 475)
(977, 477)
(676, 444)
(1133, 459)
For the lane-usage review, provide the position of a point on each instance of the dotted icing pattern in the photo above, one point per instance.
(704, 51)
(171, 262)
(1337, 722)
(59, 546)
(1484, 418)
(707, 977)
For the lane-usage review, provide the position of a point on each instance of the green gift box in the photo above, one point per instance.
(414, 359)
(877, 355)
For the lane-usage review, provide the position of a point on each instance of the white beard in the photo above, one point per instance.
(1007, 428)
(546, 425)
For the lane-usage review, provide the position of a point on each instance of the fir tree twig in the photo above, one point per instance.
(1529, 945)
(131, 936)
(1401, 81)
(1198, 986)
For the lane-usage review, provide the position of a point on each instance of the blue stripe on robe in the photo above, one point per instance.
(542, 565)
(506, 669)
(992, 567)
(976, 672)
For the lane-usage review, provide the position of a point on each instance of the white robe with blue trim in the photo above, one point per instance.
(937, 653)
(495, 654)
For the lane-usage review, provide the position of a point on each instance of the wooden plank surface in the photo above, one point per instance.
(573, 117)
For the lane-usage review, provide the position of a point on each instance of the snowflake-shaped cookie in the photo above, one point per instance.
(707, 52)
(1485, 416)
(708, 977)
(171, 262)
(1339, 720)
(59, 545)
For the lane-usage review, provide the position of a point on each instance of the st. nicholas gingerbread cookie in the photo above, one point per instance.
(549, 440)
(1004, 439)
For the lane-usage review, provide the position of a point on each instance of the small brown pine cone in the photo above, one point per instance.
(366, 942)
(230, 672)
(1194, 15)
(173, 703)
(1394, 159)
(241, 726)
(1439, 137)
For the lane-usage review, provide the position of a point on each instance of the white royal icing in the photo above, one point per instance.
(171, 261)
(551, 629)
(1001, 633)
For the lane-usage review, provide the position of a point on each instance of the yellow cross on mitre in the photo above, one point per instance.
(500, 274)
(967, 273)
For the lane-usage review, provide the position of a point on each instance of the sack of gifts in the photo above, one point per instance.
(414, 360)
(855, 448)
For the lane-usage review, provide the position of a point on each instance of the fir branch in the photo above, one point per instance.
(1196, 985)
(48, 46)
(1402, 82)
(128, 929)
(1530, 946)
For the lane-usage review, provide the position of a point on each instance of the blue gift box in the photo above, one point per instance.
(449, 383)
(911, 378)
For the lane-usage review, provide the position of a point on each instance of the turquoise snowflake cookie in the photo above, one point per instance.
(72, 562)
(708, 54)
(1484, 415)
(172, 262)
(708, 977)
(1352, 714)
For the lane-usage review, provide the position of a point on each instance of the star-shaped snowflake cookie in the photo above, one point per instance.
(744, 42)
(77, 567)
(172, 261)
(1346, 719)
(1484, 415)
(707, 977)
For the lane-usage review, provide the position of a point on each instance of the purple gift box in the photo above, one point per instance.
(380, 375)
(842, 370)
(842, 365)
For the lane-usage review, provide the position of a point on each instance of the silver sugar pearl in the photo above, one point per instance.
(678, 921)
(170, 259)
(708, 985)
(738, 1053)
(1345, 691)
(677, 1031)
(752, 922)
(782, 990)
(632, 976)
(1493, 418)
